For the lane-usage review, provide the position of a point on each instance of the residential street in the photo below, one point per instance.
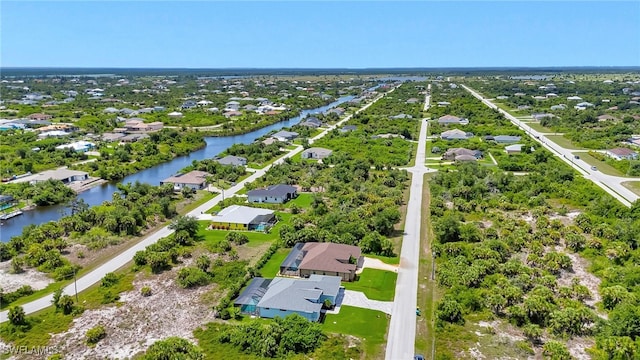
(402, 330)
(610, 184)
(123, 258)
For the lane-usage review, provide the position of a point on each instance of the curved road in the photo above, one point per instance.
(123, 258)
(610, 184)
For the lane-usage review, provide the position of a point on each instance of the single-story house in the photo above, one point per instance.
(443, 103)
(274, 194)
(312, 122)
(513, 149)
(412, 101)
(175, 114)
(401, 116)
(348, 128)
(622, 154)
(53, 133)
(233, 160)
(455, 134)
(606, 117)
(540, 116)
(280, 297)
(306, 259)
(231, 113)
(39, 116)
(452, 120)
(236, 217)
(269, 141)
(196, 180)
(574, 98)
(112, 136)
(465, 158)
(64, 175)
(131, 138)
(583, 105)
(452, 153)
(79, 146)
(506, 139)
(135, 125)
(284, 135)
(558, 107)
(189, 104)
(316, 153)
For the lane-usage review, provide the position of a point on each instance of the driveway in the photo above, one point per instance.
(359, 299)
(377, 264)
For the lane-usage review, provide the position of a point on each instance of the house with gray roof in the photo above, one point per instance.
(401, 116)
(312, 122)
(348, 128)
(280, 297)
(452, 120)
(236, 217)
(316, 153)
(232, 160)
(455, 134)
(454, 153)
(195, 180)
(274, 194)
(506, 139)
(284, 135)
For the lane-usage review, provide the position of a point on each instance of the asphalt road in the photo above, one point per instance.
(610, 184)
(402, 329)
(123, 258)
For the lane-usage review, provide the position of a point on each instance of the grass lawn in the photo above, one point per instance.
(376, 284)
(212, 237)
(369, 325)
(272, 267)
(633, 186)
(302, 201)
(564, 142)
(385, 259)
(602, 166)
(537, 127)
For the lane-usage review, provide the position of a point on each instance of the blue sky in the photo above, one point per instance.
(307, 34)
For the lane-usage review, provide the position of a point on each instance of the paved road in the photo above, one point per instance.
(610, 184)
(123, 258)
(402, 330)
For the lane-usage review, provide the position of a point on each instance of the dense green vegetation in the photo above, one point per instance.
(357, 205)
(48, 192)
(256, 152)
(583, 127)
(118, 161)
(134, 207)
(492, 262)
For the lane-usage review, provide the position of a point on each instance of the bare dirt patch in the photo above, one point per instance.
(580, 272)
(10, 282)
(138, 321)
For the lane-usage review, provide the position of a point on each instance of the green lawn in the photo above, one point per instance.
(272, 267)
(564, 142)
(369, 325)
(602, 166)
(633, 186)
(537, 127)
(303, 201)
(385, 259)
(376, 284)
(212, 237)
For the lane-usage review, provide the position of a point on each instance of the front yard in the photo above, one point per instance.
(376, 284)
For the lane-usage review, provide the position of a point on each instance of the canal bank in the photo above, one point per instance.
(98, 194)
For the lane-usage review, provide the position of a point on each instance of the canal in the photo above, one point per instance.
(99, 194)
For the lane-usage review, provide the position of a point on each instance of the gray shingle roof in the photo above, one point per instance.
(298, 294)
(273, 190)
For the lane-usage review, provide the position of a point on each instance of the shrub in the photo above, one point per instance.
(145, 291)
(191, 277)
(17, 316)
(64, 272)
(95, 334)
(110, 279)
(237, 238)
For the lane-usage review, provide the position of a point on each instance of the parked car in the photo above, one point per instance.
(594, 168)
(418, 357)
(576, 157)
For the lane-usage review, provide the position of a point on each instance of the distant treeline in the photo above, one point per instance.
(96, 72)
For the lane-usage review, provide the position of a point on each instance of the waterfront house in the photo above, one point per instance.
(232, 160)
(195, 180)
(284, 135)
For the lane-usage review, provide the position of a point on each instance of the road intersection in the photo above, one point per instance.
(610, 184)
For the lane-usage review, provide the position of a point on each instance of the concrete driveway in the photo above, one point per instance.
(376, 264)
(359, 299)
